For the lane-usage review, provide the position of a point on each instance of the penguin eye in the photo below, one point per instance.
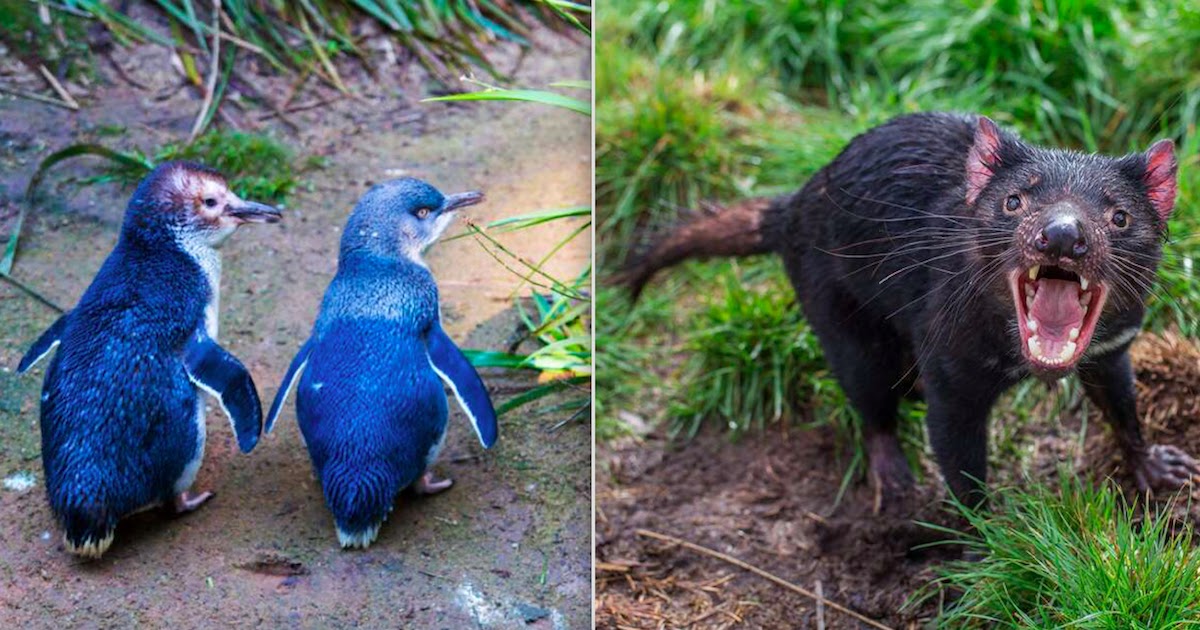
(422, 213)
(210, 202)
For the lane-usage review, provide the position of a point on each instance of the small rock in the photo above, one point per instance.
(20, 481)
(530, 613)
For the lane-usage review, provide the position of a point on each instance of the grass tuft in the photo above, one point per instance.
(445, 37)
(259, 167)
(753, 359)
(671, 143)
(1079, 556)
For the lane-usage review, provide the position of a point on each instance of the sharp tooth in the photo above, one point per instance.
(1033, 272)
(1029, 292)
(1068, 351)
(1083, 283)
(1085, 299)
(1035, 346)
(1029, 304)
(1073, 334)
(1031, 324)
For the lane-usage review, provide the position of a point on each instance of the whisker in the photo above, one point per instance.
(958, 252)
(885, 256)
(914, 246)
(955, 303)
(923, 213)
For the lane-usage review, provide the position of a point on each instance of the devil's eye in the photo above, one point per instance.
(1012, 203)
(422, 213)
(1120, 218)
(210, 202)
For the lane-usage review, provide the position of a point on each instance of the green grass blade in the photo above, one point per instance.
(126, 160)
(120, 24)
(531, 96)
(577, 84)
(491, 359)
(188, 17)
(531, 219)
(374, 10)
(540, 392)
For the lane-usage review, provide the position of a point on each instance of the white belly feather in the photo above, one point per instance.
(210, 263)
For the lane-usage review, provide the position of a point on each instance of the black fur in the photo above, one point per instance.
(903, 278)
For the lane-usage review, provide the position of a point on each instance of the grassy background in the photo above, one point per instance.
(700, 100)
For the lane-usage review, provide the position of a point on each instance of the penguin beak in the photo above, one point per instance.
(253, 212)
(461, 200)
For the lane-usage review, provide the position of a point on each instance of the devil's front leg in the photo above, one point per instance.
(960, 401)
(1109, 383)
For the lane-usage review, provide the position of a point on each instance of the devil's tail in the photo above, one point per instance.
(742, 229)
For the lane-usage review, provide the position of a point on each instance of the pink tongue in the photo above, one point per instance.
(1056, 310)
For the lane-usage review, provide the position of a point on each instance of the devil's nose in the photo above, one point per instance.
(1062, 238)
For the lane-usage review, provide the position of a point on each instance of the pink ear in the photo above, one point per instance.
(1160, 177)
(982, 158)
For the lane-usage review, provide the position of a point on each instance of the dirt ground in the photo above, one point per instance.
(508, 546)
(769, 499)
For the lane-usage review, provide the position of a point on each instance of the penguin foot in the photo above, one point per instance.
(187, 501)
(428, 484)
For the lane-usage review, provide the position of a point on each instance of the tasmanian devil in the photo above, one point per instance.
(940, 247)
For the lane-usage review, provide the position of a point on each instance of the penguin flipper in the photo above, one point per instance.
(44, 344)
(454, 368)
(216, 371)
(288, 384)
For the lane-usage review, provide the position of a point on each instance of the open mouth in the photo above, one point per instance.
(1057, 312)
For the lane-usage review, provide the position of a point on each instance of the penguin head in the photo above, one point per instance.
(403, 217)
(194, 202)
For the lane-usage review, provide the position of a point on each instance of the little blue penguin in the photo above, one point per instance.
(122, 420)
(370, 401)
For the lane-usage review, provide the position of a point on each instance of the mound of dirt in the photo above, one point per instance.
(1168, 390)
(1168, 384)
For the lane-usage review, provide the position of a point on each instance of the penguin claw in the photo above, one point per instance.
(429, 484)
(188, 501)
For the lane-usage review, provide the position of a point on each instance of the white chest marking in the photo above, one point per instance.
(209, 260)
(1122, 338)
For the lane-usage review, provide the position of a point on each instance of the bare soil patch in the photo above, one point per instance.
(769, 499)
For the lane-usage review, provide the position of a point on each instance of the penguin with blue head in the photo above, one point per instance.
(369, 380)
(122, 418)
